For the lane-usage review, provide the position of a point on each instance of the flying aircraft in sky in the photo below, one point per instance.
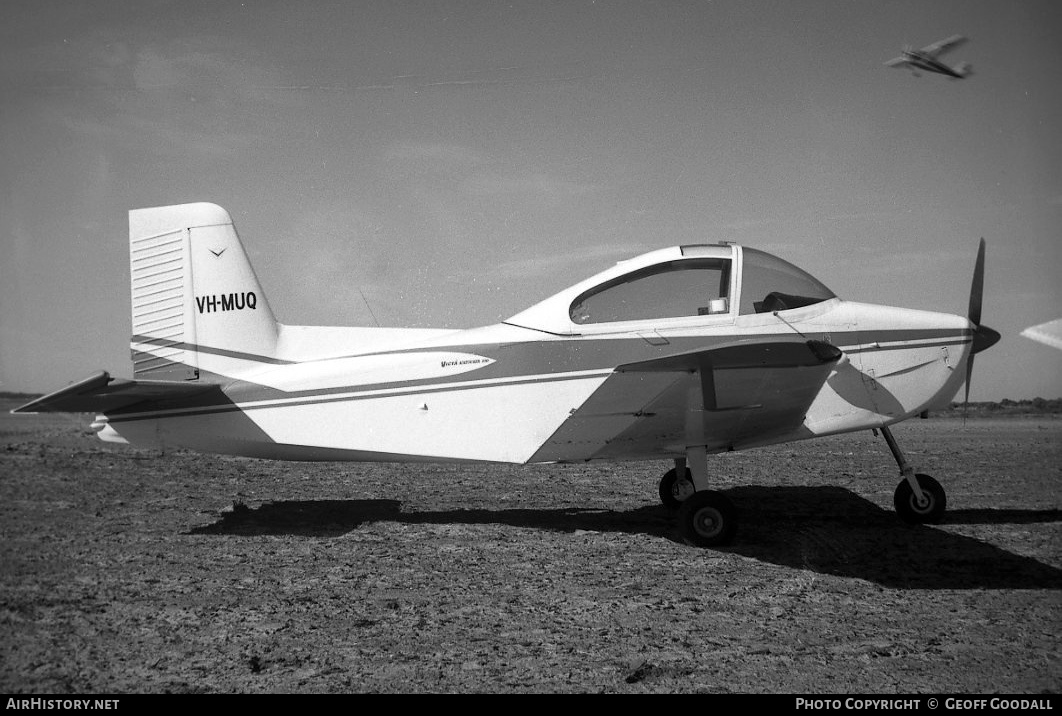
(672, 355)
(928, 59)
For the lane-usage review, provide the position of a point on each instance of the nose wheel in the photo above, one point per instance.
(927, 510)
(919, 499)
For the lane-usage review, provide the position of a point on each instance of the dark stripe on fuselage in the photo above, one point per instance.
(905, 346)
(526, 363)
(196, 348)
(341, 395)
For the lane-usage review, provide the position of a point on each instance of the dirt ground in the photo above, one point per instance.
(131, 571)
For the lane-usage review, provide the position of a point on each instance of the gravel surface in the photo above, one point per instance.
(134, 571)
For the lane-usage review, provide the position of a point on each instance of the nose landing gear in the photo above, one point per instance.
(919, 499)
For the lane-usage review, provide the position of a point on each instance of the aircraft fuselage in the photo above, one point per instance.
(508, 393)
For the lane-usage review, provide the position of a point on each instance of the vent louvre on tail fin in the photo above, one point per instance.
(158, 284)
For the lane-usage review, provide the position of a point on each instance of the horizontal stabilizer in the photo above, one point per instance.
(100, 393)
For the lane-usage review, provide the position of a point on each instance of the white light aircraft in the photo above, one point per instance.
(673, 355)
(928, 59)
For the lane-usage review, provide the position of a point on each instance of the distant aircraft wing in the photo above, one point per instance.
(749, 391)
(944, 45)
(1049, 333)
(896, 62)
(100, 393)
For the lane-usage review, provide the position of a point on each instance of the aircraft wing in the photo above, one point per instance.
(944, 45)
(896, 61)
(749, 390)
(100, 393)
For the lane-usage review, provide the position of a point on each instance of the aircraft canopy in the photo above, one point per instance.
(682, 285)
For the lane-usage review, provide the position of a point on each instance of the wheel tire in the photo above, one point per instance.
(707, 519)
(673, 491)
(911, 512)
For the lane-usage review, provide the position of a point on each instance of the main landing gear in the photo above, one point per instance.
(705, 518)
(919, 499)
(708, 519)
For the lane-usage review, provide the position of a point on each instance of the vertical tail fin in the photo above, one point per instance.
(196, 302)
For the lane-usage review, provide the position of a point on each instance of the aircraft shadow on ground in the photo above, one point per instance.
(828, 530)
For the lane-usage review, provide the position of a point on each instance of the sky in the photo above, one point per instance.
(447, 164)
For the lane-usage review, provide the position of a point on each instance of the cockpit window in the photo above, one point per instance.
(770, 284)
(692, 287)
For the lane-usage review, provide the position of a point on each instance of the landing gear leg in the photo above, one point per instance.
(919, 499)
(706, 518)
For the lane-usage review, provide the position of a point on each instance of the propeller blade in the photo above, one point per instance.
(983, 336)
(978, 286)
